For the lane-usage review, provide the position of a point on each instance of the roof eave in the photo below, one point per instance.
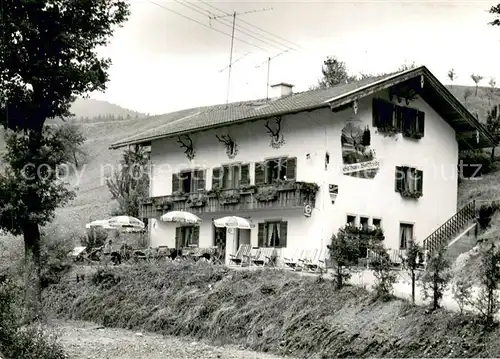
(118, 145)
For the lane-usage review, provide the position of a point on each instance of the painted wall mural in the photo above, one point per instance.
(359, 160)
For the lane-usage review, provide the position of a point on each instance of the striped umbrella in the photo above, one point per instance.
(181, 217)
(233, 222)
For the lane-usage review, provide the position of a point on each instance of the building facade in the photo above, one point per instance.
(383, 158)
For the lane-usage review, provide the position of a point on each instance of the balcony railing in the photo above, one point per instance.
(250, 198)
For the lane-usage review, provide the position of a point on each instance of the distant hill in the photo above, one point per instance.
(89, 108)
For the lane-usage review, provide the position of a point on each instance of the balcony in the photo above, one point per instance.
(284, 195)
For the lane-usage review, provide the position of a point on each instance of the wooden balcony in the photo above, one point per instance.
(252, 198)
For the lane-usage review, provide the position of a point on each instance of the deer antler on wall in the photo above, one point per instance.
(187, 145)
(277, 139)
(231, 146)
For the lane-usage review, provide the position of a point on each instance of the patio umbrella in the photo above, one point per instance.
(103, 223)
(181, 217)
(233, 222)
(126, 221)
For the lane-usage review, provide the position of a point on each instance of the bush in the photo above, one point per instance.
(95, 238)
(487, 302)
(475, 161)
(462, 292)
(436, 277)
(22, 343)
(383, 272)
(486, 212)
(54, 258)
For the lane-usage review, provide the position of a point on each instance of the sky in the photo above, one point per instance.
(170, 56)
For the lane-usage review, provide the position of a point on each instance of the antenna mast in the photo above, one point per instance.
(269, 69)
(234, 14)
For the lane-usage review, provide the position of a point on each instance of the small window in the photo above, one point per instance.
(405, 234)
(186, 178)
(377, 223)
(351, 220)
(409, 179)
(276, 170)
(363, 221)
(272, 234)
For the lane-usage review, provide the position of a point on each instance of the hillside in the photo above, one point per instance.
(89, 108)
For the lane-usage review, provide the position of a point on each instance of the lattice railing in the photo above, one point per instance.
(450, 228)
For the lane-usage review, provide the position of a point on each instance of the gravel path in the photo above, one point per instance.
(83, 340)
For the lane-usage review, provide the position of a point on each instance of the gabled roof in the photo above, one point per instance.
(204, 118)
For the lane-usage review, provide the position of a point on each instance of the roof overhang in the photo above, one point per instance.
(470, 132)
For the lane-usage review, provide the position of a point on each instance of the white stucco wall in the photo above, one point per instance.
(315, 133)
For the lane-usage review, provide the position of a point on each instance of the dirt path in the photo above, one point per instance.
(83, 340)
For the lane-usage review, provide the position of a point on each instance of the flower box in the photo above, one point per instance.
(411, 194)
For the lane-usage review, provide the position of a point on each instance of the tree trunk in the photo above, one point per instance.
(74, 157)
(492, 154)
(339, 277)
(476, 91)
(413, 287)
(33, 291)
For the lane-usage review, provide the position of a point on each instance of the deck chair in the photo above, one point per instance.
(239, 257)
(307, 258)
(318, 262)
(300, 265)
(252, 255)
(267, 256)
(292, 261)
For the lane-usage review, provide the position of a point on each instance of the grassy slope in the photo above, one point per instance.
(268, 310)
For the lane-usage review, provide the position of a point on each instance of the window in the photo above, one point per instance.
(363, 221)
(409, 179)
(272, 234)
(275, 169)
(405, 234)
(186, 236)
(351, 220)
(407, 120)
(188, 181)
(231, 176)
(377, 223)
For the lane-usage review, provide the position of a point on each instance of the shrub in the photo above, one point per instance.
(54, 259)
(486, 212)
(487, 302)
(383, 272)
(462, 291)
(17, 342)
(413, 256)
(95, 238)
(436, 277)
(344, 253)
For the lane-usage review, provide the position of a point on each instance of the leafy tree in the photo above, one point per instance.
(131, 182)
(436, 277)
(493, 125)
(48, 57)
(334, 73)
(72, 138)
(452, 75)
(495, 10)
(344, 252)
(487, 301)
(413, 260)
(407, 66)
(492, 84)
(477, 79)
(383, 272)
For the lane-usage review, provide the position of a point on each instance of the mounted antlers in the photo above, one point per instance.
(277, 139)
(188, 147)
(231, 147)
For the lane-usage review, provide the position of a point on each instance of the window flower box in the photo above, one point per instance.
(229, 197)
(285, 185)
(266, 194)
(411, 194)
(197, 200)
(248, 189)
(179, 196)
(412, 134)
(162, 204)
(214, 192)
(388, 130)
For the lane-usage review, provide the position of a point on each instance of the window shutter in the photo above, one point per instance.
(399, 184)
(178, 238)
(386, 114)
(401, 114)
(200, 175)
(291, 168)
(216, 177)
(420, 181)
(176, 183)
(245, 173)
(283, 234)
(408, 119)
(260, 235)
(376, 112)
(260, 173)
(420, 122)
(196, 236)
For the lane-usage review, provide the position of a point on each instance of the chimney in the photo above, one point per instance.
(281, 90)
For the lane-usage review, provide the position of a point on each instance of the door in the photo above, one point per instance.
(220, 240)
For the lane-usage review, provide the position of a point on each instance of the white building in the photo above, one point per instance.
(353, 141)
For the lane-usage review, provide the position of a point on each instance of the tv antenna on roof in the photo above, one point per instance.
(234, 14)
(269, 68)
